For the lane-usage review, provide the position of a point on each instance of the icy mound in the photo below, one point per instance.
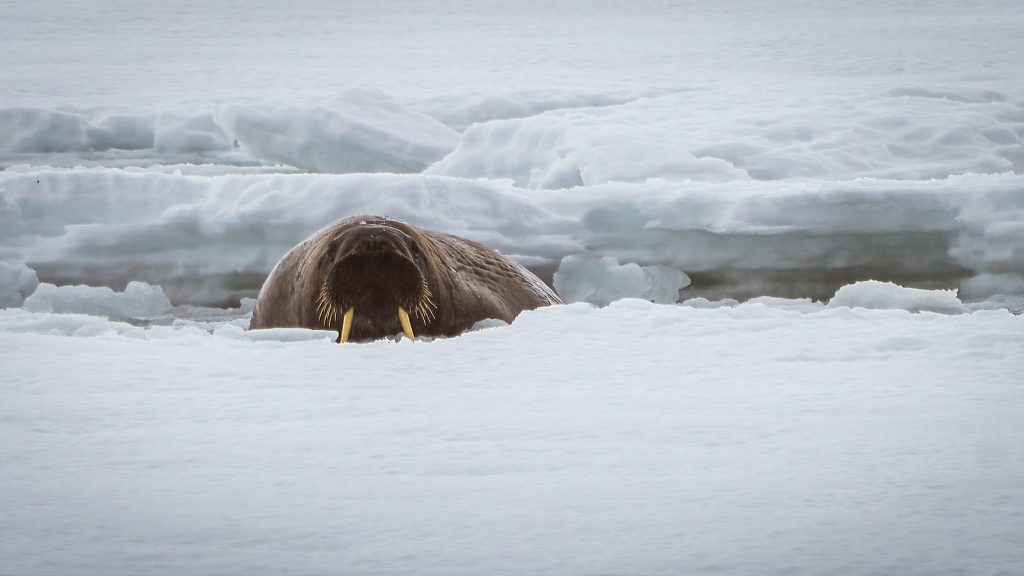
(28, 130)
(360, 131)
(886, 295)
(600, 281)
(565, 149)
(19, 321)
(138, 301)
(192, 133)
(462, 110)
(901, 134)
(987, 284)
(16, 282)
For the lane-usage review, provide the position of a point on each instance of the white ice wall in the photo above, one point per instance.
(212, 239)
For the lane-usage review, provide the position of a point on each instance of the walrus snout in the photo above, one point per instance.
(373, 281)
(377, 244)
(372, 239)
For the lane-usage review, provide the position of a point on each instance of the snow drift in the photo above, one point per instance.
(886, 295)
(213, 239)
(653, 439)
(906, 133)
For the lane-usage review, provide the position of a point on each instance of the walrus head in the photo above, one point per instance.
(373, 274)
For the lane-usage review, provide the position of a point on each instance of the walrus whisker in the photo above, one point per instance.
(326, 311)
(425, 307)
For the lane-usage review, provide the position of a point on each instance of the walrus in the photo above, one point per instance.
(370, 277)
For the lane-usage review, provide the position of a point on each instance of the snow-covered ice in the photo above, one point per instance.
(886, 295)
(587, 278)
(793, 233)
(16, 282)
(211, 239)
(359, 131)
(138, 301)
(632, 439)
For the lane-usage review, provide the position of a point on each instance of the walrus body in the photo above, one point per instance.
(370, 277)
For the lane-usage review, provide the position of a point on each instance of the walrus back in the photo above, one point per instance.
(283, 301)
(488, 282)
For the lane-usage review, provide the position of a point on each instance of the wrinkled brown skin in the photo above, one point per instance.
(469, 282)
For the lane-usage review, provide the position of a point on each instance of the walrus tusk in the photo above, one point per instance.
(403, 317)
(346, 325)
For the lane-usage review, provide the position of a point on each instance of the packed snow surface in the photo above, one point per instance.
(633, 439)
(824, 199)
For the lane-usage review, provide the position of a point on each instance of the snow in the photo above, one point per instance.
(462, 110)
(359, 131)
(16, 282)
(832, 192)
(212, 239)
(899, 134)
(635, 438)
(356, 131)
(551, 140)
(138, 301)
(874, 294)
(601, 281)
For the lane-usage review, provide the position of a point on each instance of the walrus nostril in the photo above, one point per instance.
(372, 243)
